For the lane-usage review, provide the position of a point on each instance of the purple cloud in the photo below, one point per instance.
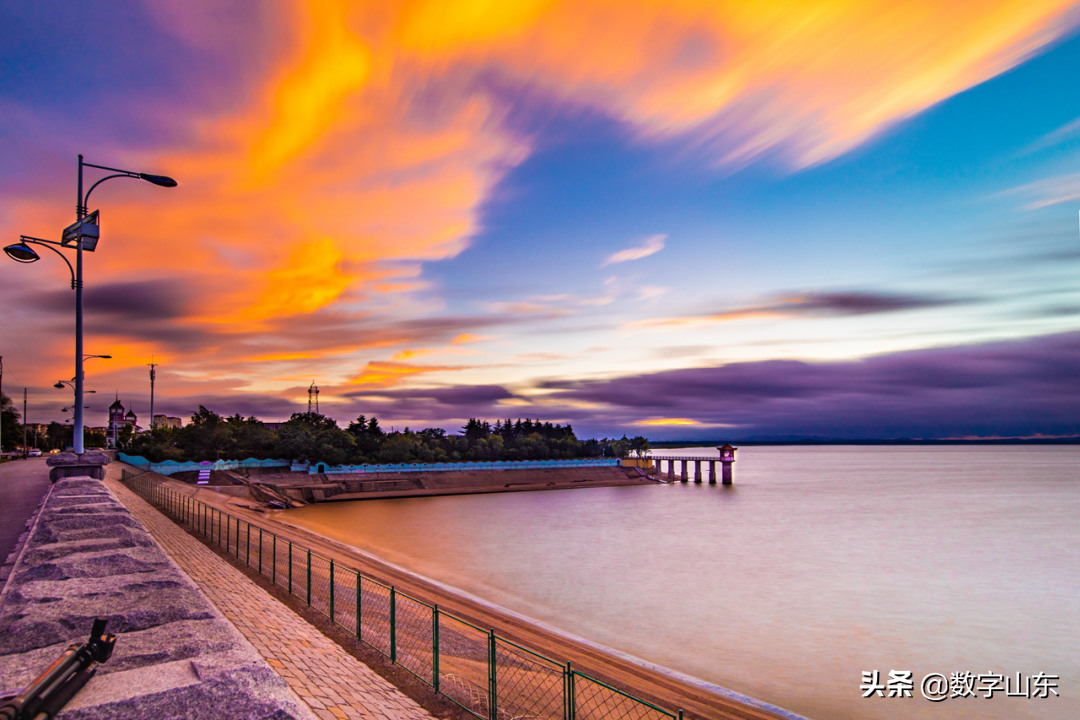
(1008, 389)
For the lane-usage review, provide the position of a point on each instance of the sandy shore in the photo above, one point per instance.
(663, 687)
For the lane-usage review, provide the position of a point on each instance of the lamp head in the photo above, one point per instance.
(160, 180)
(59, 385)
(21, 252)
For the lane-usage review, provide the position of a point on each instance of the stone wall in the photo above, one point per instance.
(175, 656)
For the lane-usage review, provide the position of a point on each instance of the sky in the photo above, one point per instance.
(679, 219)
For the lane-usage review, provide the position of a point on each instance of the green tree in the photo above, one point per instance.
(58, 436)
(368, 438)
(251, 438)
(125, 437)
(206, 437)
(10, 428)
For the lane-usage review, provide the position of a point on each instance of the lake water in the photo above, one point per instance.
(818, 564)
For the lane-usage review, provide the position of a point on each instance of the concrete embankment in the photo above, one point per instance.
(322, 488)
(655, 684)
(176, 656)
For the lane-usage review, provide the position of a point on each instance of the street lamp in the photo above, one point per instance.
(83, 235)
(61, 384)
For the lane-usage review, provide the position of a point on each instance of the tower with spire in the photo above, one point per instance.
(118, 418)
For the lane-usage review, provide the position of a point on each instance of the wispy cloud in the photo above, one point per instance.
(1068, 131)
(652, 244)
(1049, 191)
(1004, 389)
(810, 304)
(295, 233)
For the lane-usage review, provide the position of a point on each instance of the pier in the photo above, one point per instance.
(726, 460)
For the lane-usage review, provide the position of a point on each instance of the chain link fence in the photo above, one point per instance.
(487, 675)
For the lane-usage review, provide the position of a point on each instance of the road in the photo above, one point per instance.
(22, 485)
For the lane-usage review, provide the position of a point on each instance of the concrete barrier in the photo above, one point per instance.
(176, 655)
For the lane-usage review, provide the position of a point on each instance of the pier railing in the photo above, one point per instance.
(486, 674)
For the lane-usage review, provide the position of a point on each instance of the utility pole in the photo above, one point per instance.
(24, 423)
(153, 376)
(1, 405)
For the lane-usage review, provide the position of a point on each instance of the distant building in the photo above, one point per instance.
(164, 421)
(117, 419)
(35, 432)
(274, 425)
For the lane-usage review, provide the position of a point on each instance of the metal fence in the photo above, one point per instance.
(488, 675)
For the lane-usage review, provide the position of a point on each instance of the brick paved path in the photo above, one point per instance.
(333, 683)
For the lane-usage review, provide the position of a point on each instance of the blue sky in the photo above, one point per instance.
(497, 214)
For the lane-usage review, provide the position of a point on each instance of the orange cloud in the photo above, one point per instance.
(335, 64)
(469, 338)
(386, 374)
(668, 421)
(407, 354)
(368, 139)
(366, 143)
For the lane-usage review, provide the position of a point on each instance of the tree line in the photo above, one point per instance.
(315, 437)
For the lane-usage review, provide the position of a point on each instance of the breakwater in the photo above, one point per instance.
(86, 556)
(171, 467)
(485, 672)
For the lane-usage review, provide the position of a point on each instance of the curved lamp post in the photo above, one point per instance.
(61, 384)
(82, 235)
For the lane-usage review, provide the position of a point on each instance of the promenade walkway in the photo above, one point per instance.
(334, 684)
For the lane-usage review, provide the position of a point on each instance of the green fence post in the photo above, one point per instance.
(680, 715)
(228, 533)
(331, 591)
(275, 559)
(359, 627)
(393, 625)
(492, 685)
(260, 551)
(247, 559)
(290, 567)
(435, 647)
(309, 578)
(568, 691)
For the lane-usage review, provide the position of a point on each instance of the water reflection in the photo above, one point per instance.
(817, 564)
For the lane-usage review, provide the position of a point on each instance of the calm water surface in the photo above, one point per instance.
(817, 564)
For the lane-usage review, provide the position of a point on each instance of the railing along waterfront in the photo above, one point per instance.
(486, 674)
